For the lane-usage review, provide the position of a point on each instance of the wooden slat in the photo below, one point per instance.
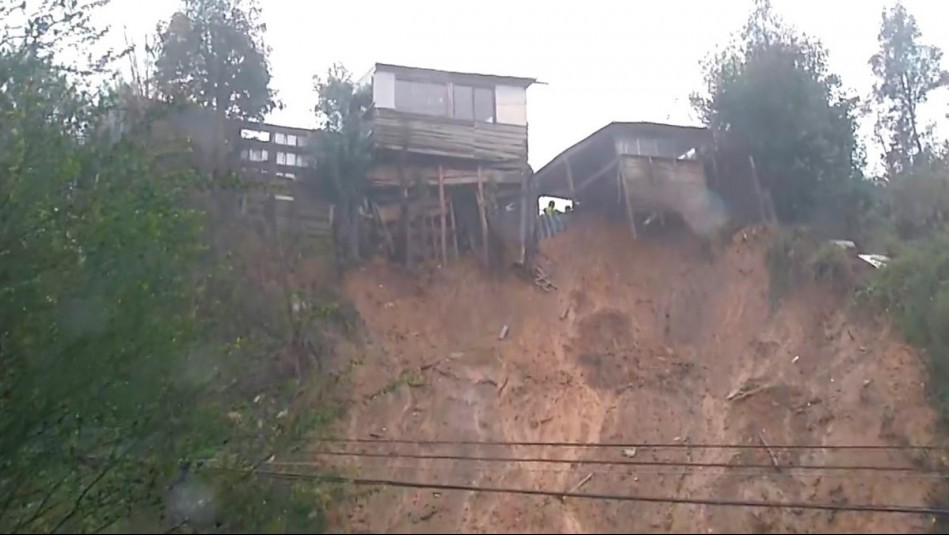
(441, 213)
(436, 136)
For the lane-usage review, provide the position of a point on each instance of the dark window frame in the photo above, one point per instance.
(450, 112)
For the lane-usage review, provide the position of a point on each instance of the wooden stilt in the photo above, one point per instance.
(621, 177)
(757, 185)
(454, 226)
(484, 219)
(390, 244)
(441, 211)
(433, 235)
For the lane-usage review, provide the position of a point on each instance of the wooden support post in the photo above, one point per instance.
(441, 211)
(484, 218)
(757, 186)
(433, 234)
(624, 193)
(454, 226)
(525, 215)
(573, 190)
(390, 244)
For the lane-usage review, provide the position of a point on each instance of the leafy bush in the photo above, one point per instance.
(786, 261)
(914, 290)
(797, 256)
(831, 264)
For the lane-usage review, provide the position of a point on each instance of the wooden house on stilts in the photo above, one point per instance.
(450, 153)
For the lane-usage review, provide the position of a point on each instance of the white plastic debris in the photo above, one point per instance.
(875, 260)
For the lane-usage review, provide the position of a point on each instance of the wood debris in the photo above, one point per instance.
(576, 487)
(745, 391)
(503, 334)
(774, 458)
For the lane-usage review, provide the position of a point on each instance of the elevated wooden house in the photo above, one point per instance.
(450, 158)
(643, 171)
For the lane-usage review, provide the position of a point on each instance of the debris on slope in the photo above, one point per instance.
(649, 341)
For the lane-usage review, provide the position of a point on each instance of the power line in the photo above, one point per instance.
(645, 471)
(624, 462)
(611, 497)
(642, 445)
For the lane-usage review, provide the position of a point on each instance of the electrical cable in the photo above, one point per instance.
(610, 497)
(643, 445)
(645, 471)
(624, 462)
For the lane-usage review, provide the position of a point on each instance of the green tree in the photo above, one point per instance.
(344, 150)
(906, 71)
(95, 307)
(772, 94)
(212, 53)
(124, 401)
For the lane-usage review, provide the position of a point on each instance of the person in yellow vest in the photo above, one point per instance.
(551, 209)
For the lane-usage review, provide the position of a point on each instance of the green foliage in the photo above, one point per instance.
(212, 53)
(797, 256)
(785, 261)
(906, 71)
(128, 398)
(95, 304)
(914, 290)
(919, 200)
(344, 150)
(772, 94)
(830, 264)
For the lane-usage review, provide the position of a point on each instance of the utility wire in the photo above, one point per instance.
(642, 445)
(624, 462)
(646, 471)
(611, 497)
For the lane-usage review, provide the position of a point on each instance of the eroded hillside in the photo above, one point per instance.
(653, 340)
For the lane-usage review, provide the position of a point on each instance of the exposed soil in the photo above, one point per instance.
(656, 340)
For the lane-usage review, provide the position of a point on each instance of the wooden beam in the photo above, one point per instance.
(441, 210)
(621, 176)
(484, 219)
(757, 186)
(454, 226)
(566, 162)
(599, 174)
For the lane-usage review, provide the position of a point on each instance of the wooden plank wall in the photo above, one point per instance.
(484, 142)
(663, 184)
(388, 175)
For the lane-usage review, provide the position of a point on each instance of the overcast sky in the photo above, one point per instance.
(601, 61)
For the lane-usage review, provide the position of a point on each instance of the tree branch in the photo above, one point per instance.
(82, 495)
(41, 509)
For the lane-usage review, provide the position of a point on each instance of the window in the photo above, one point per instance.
(483, 104)
(291, 176)
(255, 155)
(285, 139)
(259, 135)
(286, 158)
(466, 103)
(421, 97)
(463, 102)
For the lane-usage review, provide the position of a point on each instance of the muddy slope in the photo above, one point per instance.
(644, 341)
